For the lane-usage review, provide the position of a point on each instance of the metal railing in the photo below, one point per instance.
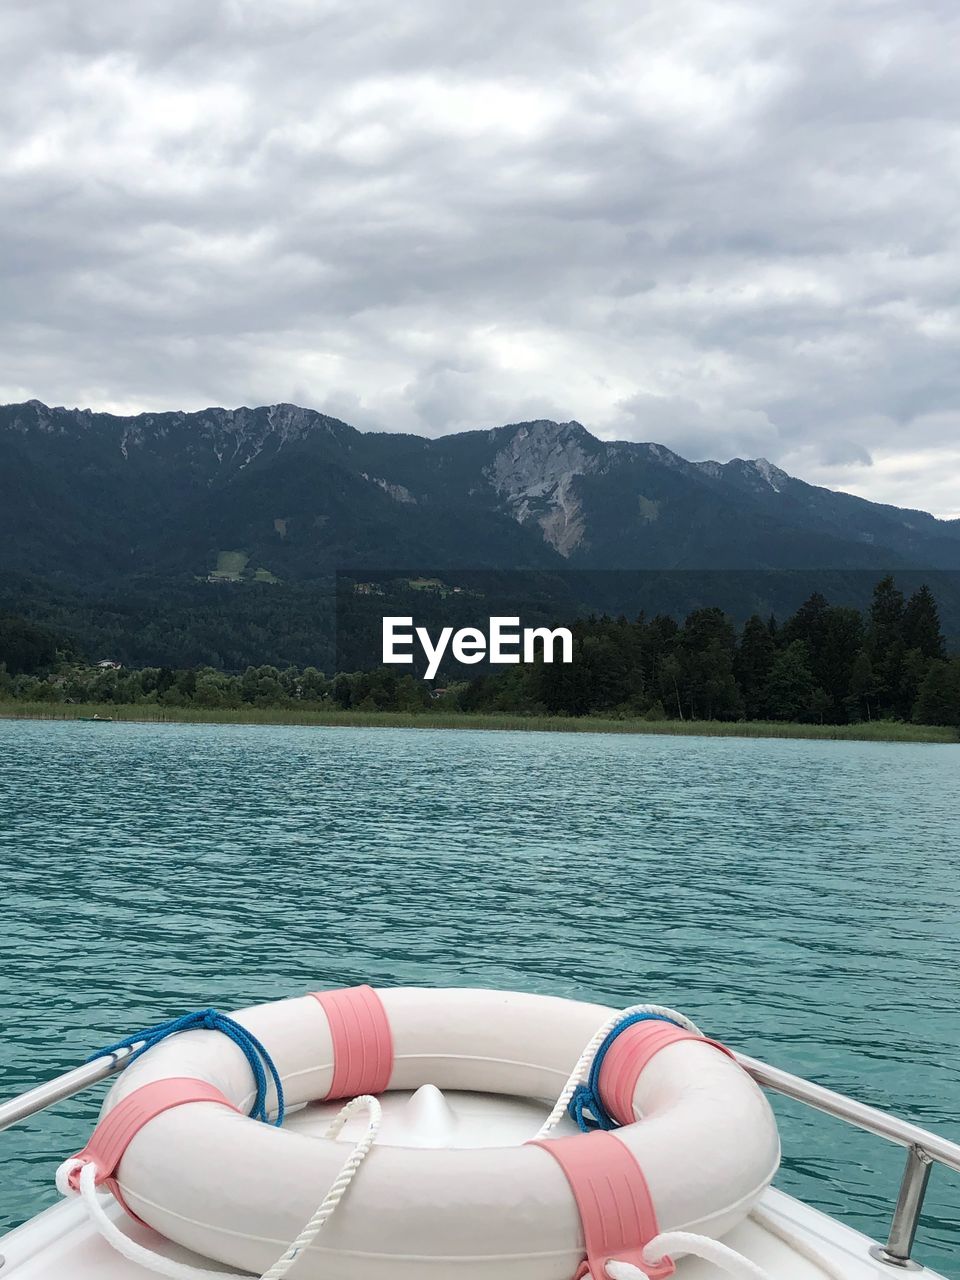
(61, 1087)
(924, 1149)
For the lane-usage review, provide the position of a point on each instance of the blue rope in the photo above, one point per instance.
(586, 1105)
(211, 1020)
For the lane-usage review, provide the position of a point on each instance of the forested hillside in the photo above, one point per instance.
(826, 664)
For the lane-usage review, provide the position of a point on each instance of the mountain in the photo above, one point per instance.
(92, 497)
(211, 537)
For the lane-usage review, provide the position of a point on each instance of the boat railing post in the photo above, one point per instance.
(903, 1228)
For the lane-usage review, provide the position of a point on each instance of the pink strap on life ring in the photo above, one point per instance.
(362, 1041)
(114, 1133)
(613, 1199)
(630, 1053)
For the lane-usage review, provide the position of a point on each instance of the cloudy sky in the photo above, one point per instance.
(727, 227)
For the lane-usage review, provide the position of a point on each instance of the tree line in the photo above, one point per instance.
(826, 664)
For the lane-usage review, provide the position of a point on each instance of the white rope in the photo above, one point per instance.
(174, 1270)
(673, 1242)
(727, 1259)
(338, 1189)
(581, 1071)
(126, 1247)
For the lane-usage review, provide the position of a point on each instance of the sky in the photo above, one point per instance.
(731, 228)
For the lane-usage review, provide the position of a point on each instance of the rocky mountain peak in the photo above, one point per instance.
(535, 471)
(536, 455)
(772, 474)
(758, 473)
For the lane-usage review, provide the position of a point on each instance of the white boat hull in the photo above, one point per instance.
(61, 1244)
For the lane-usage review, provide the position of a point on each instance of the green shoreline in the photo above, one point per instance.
(872, 731)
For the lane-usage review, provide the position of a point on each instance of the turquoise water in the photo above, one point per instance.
(798, 899)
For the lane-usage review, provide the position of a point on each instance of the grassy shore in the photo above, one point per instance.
(875, 731)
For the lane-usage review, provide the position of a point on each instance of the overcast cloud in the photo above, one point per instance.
(727, 227)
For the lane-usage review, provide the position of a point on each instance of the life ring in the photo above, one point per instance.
(697, 1147)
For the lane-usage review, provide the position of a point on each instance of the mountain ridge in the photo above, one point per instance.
(770, 472)
(89, 495)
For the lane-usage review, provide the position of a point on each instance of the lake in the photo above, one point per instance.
(800, 900)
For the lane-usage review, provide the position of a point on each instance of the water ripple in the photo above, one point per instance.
(798, 899)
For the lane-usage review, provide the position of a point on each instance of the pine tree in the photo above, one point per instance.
(821, 707)
(915, 668)
(706, 658)
(861, 701)
(808, 624)
(939, 699)
(790, 688)
(668, 680)
(754, 658)
(888, 650)
(921, 624)
(886, 614)
(843, 638)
